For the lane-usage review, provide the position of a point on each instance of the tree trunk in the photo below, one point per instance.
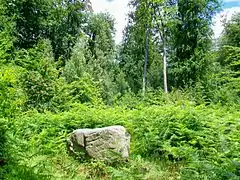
(165, 65)
(145, 63)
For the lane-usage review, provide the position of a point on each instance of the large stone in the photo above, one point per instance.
(101, 143)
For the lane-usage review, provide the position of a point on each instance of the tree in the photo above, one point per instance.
(39, 78)
(145, 61)
(65, 24)
(131, 58)
(192, 40)
(100, 30)
(94, 54)
(7, 40)
(139, 51)
(61, 21)
(231, 32)
(229, 53)
(164, 12)
(28, 17)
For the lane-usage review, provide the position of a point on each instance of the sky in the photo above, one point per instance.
(119, 9)
(229, 8)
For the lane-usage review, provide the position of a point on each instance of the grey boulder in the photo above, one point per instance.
(101, 143)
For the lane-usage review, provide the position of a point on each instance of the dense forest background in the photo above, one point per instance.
(174, 87)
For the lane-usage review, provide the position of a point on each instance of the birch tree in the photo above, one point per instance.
(163, 13)
(148, 33)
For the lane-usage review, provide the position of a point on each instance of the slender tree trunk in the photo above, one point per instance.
(163, 38)
(145, 63)
(165, 65)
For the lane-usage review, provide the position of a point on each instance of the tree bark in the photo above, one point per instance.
(145, 63)
(163, 38)
(165, 65)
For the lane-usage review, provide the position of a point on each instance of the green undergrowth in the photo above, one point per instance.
(167, 142)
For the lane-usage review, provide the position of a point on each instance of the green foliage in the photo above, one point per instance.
(6, 43)
(64, 25)
(229, 58)
(229, 54)
(132, 59)
(195, 136)
(192, 40)
(3, 129)
(84, 90)
(28, 17)
(75, 68)
(39, 78)
(233, 61)
(231, 31)
(228, 76)
(202, 140)
(179, 28)
(61, 70)
(93, 56)
(58, 20)
(11, 95)
(39, 90)
(132, 51)
(215, 86)
(101, 31)
(3, 150)
(158, 98)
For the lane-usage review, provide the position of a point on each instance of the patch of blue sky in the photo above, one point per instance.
(231, 3)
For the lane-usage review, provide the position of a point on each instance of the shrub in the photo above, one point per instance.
(3, 150)
(40, 75)
(7, 39)
(11, 94)
(3, 129)
(84, 91)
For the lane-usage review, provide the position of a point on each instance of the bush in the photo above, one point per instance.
(39, 89)
(12, 98)
(3, 150)
(3, 129)
(7, 40)
(39, 79)
(85, 90)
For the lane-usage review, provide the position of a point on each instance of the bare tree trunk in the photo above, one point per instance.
(165, 65)
(145, 63)
(163, 38)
